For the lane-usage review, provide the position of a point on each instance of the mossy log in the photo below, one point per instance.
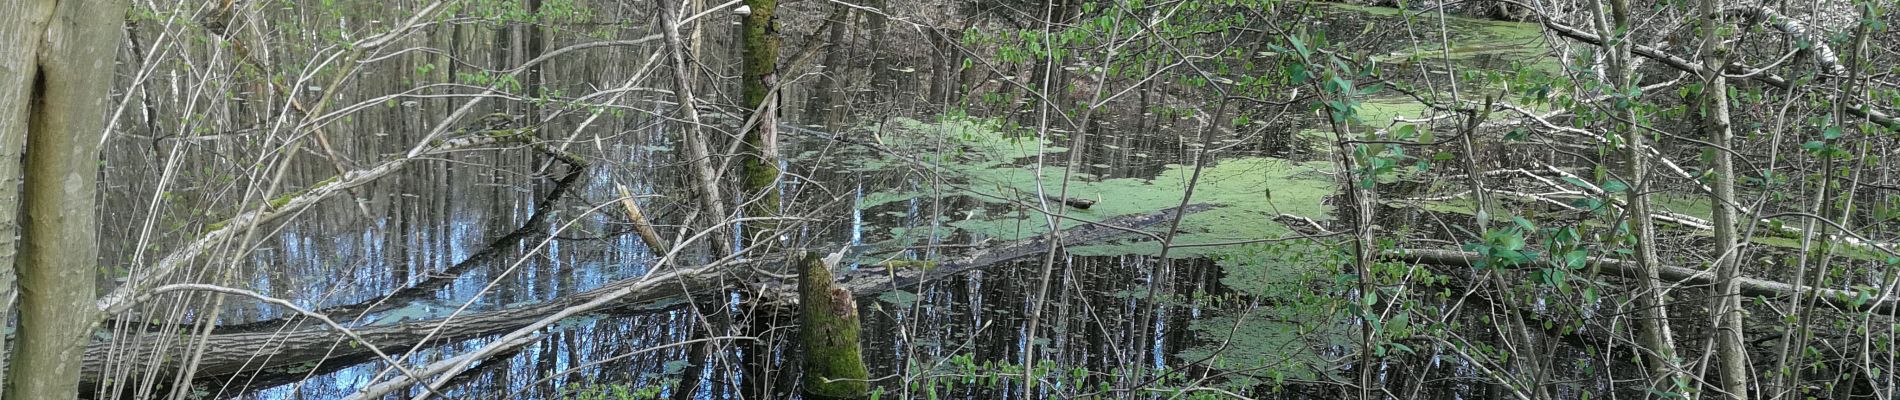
(834, 365)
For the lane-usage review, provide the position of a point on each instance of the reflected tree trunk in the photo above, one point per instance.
(827, 107)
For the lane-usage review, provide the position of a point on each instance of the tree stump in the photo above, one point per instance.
(834, 365)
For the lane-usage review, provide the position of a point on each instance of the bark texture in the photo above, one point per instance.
(21, 23)
(1731, 347)
(827, 105)
(59, 247)
(759, 163)
(1651, 314)
(703, 178)
(828, 328)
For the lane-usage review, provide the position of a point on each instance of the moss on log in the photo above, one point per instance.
(834, 365)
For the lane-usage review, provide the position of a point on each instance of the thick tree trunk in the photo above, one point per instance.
(828, 329)
(21, 24)
(759, 162)
(59, 245)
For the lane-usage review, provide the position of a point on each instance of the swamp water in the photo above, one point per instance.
(1118, 321)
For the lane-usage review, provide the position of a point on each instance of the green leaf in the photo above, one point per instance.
(1615, 186)
(1575, 258)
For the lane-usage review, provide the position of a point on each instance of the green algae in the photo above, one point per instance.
(1268, 345)
(985, 165)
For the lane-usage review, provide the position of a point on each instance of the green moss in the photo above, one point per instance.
(1855, 252)
(1382, 111)
(909, 264)
(829, 330)
(1694, 206)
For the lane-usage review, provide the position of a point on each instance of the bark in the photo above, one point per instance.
(21, 24)
(882, 75)
(759, 164)
(651, 237)
(1730, 347)
(828, 329)
(59, 245)
(703, 178)
(1652, 316)
(297, 347)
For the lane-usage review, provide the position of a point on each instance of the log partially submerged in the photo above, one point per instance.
(1842, 299)
(1078, 203)
(299, 347)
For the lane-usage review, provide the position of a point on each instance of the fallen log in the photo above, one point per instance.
(1844, 300)
(871, 281)
(1082, 204)
(297, 347)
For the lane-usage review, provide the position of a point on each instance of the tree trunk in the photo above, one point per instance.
(20, 28)
(827, 107)
(828, 329)
(703, 178)
(59, 245)
(877, 31)
(1652, 316)
(759, 161)
(1731, 347)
